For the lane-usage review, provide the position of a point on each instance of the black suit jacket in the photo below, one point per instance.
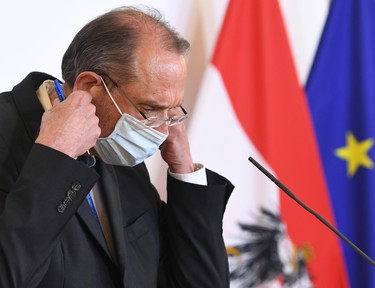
(49, 237)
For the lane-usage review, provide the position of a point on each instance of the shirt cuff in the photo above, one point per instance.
(197, 177)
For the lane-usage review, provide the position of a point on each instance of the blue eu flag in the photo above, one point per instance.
(341, 96)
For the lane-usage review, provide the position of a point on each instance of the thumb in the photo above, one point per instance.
(55, 102)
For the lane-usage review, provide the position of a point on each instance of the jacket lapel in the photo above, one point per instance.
(86, 215)
(109, 188)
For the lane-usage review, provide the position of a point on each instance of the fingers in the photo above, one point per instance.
(55, 102)
(79, 98)
(176, 150)
(71, 126)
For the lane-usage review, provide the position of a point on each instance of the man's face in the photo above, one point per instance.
(160, 87)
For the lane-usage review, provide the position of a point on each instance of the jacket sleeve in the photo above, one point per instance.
(33, 212)
(195, 254)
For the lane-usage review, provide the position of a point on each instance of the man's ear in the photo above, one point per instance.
(88, 81)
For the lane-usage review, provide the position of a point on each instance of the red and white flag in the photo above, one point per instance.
(252, 104)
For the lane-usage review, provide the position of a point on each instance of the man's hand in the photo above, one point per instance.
(71, 126)
(176, 150)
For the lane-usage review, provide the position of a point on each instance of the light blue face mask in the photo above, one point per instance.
(130, 143)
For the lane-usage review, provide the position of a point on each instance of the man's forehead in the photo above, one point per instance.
(160, 66)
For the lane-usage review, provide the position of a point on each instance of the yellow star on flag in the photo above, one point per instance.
(355, 153)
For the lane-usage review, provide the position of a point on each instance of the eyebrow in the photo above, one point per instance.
(155, 104)
(145, 102)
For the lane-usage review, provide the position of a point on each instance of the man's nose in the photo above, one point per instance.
(163, 128)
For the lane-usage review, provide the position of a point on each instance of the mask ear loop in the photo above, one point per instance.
(110, 96)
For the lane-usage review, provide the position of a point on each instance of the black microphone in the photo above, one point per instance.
(320, 218)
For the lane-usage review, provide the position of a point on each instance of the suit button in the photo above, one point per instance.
(67, 201)
(76, 186)
(61, 208)
(71, 194)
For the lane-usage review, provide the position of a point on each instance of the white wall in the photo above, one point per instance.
(35, 34)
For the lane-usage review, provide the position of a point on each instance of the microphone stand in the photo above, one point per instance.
(320, 218)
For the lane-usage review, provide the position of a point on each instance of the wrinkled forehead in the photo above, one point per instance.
(158, 65)
(160, 81)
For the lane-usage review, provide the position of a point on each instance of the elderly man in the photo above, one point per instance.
(77, 205)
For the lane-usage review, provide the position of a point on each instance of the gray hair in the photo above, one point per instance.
(107, 44)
